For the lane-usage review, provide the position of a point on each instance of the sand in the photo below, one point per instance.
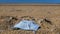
(37, 11)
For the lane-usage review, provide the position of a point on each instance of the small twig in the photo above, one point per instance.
(48, 21)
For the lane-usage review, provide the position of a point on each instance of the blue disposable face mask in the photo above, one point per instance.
(27, 25)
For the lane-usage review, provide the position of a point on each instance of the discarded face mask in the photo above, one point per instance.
(27, 25)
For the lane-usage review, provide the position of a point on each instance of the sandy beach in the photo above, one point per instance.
(52, 12)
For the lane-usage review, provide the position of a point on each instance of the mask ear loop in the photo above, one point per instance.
(34, 32)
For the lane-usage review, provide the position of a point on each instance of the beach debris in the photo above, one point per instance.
(26, 24)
